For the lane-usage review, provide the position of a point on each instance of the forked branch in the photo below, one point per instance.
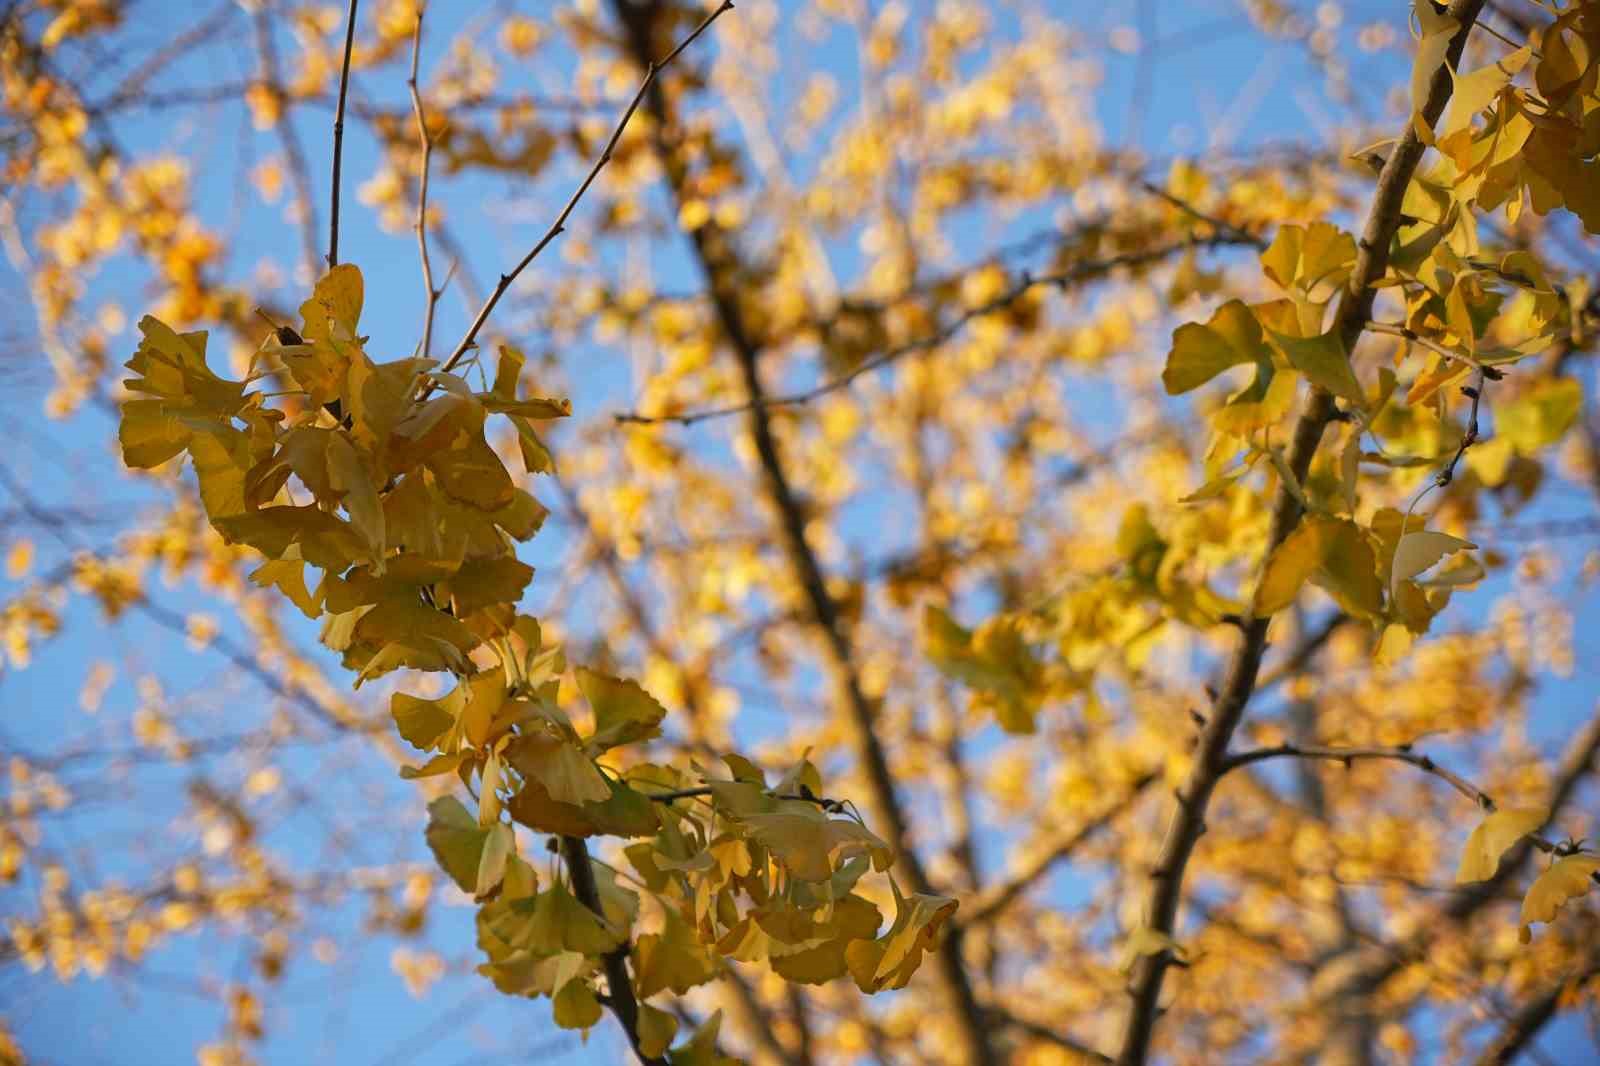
(560, 224)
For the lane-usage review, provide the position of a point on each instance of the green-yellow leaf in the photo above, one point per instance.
(656, 1030)
(1200, 352)
(1323, 361)
(565, 772)
(423, 722)
(623, 712)
(1540, 416)
(288, 576)
(498, 847)
(457, 841)
(1290, 566)
(576, 1006)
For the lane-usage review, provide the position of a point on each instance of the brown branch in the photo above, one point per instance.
(832, 806)
(1523, 1026)
(338, 134)
(652, 68)
(1350, 319)
(1402, 753)
(430, 294)
(1061, 281)
(720, 266)
(619, 998)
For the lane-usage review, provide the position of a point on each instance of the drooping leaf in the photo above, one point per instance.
(560, 767)
(576, 1006)
(1566, 879)
(498, 848)
(1323, 361)
(623, 712)
(1200, 352)
(1419, 550)
(891, 962)
(456, 840)
(657, 1029)
(1493, 837)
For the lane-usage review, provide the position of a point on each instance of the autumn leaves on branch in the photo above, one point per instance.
(381, 477)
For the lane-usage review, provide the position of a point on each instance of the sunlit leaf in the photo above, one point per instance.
(1493, 837)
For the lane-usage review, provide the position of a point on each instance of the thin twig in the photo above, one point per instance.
(1470, 437)
(1062, 280)
(430, 294)
(1401, 753)
(831, 805)
(560, 223)
(1394, 329)
(1222, 227)
(722, 270)
(338, 134)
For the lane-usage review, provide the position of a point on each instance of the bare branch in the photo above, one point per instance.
(1240, 236)
(1523, 1026)
(1402, 753)
(1395, 329)
(338, 134)
(430, 294)
(556, 228)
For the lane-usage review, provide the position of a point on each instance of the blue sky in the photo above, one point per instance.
(1216, 84)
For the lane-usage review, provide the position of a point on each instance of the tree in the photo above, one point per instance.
(1021, 600)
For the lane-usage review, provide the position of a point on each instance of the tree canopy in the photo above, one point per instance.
(803, 533)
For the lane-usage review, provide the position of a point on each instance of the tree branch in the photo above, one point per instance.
(1060, 281)
(1352, 976)
(652, 68)
(719, 264)
(619, 985)
(429, 292)
(1350, 319)
(1347, 756)
(338, 134)
(1523, 1026)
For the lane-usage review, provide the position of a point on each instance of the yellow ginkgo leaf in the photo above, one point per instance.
(656, 1030)
(1418, 551)
(1493, 837)
(1201, 352)
(1567, 878)
(1291, 564)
